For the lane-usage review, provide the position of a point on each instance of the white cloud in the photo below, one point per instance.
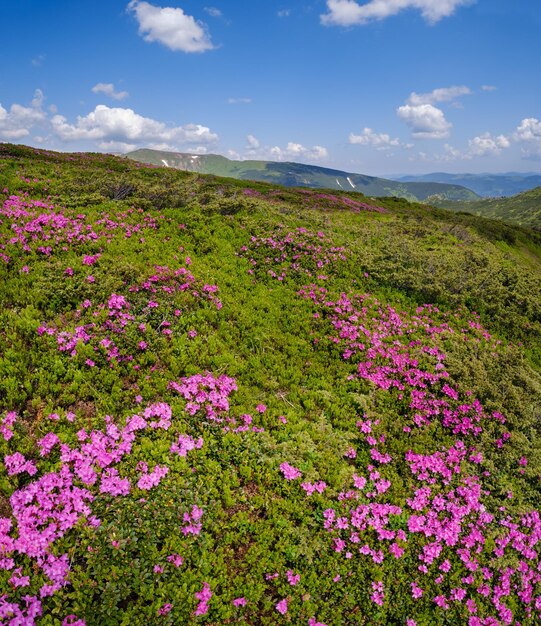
(253, 142)
(109, 90)
(284, 13)
(292, 152)
(425, 120)
(528, 133)
(380, 141)
(529, 130)
(171, 27)
(108, 125)
(213, 11)
(298, 151)
(117, 146)
(487, 145)
(239, 100)
(488, 88)
(442, 94)
(350, 12)
(18, 121)
(197, 150)
(484, 145)
(451, 153)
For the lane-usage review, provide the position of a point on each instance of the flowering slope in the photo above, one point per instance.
(228, 403)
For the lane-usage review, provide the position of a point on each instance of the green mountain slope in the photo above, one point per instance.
(300, 175)
(485, 185)
(225, 402)
(523, 209)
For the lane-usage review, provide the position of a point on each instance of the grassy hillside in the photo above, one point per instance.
(485, 185)
(300, 175)
(523, 209)
(236, 403)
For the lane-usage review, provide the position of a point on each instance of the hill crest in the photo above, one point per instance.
(291, 174)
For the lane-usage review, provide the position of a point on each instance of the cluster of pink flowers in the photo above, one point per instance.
(6, 425)
(193, 521)
(148, 480)
(109, 326)
(185, 444)
(290, 472)
(204, 597)
(389, 350)
(167, 281)
(206, 393)
(20, 615)
(44, 510)
(317, 487)
(16, 464)
(320, 200)
(38, 227)
(299, 251)
(447, 516)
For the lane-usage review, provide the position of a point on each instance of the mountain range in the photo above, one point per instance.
(484, 185)
(302, 175)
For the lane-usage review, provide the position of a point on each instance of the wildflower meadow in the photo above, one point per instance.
(225, 402)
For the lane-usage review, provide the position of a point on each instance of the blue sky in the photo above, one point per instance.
(377, 87)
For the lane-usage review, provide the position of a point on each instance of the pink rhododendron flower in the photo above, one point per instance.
(165, 609)
(175, 559)
(6, 426)
(290, 472)
(281, 607)
(204, 597)
(293, 579)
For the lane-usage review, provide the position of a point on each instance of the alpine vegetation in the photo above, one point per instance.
(230, 402)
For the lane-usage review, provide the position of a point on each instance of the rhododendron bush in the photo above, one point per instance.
(223, 402)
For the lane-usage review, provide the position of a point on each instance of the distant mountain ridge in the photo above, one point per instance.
(523, 209)
(485, 185)
(302, 175)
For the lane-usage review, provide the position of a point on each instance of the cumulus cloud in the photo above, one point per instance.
(284, 13)
(380, 141)
(18, 121)
(488, 88)
(117, 146)
(425, 121)
(487, 145)
(442, 94)
(350, 12)
(528, 133)
(252, 142)
(125, 126)
(298, 151)
(292, 152)
(483, 145)
(171, 27)
(109, 90)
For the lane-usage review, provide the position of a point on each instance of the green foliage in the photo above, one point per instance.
(523, 209)
(267, 338)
